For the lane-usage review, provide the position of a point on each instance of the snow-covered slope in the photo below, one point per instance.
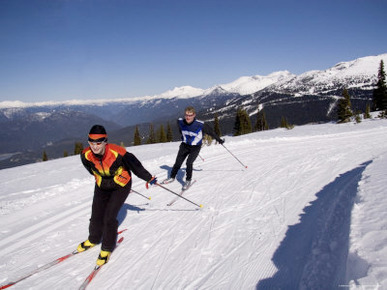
(307, 213)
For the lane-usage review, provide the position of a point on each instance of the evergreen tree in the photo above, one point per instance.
(237, 123)
(261, 123)
(344, 108)
(137, 137)
(265, 125)
(65, 153)
(44, 157)
(152, 136)
(122, 144)
(247, 127)
(217, 126)
(380, 92)
(242, 123)
(246, 123)
(78, 148)
(284, 123)
(161, 136)
(358, 117)
(169, 133)
(367, 114)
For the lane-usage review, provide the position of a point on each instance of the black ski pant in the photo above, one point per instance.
(192, 151)
(103, 222)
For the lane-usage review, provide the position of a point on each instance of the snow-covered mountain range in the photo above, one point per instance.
(361, 72)
(305, 98)
(243, 86)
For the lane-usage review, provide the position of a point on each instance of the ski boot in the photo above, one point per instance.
(168, 180)
(103, 257)
(85, 246)
(187, 184)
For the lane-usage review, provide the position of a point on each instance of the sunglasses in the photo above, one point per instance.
(189, 115)
(97, 142)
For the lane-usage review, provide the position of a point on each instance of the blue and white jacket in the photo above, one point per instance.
(192, 134)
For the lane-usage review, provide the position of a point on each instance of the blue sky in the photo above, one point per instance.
(90, 49)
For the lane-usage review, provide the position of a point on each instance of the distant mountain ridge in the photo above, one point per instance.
(242, 86)
(359, 73)
(312, 96)
(362, 69)
(304, 98)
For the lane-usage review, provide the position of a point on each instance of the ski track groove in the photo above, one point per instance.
(166, 252)
(42, 228)
(186, 240)
(240, 214)
(197, 283)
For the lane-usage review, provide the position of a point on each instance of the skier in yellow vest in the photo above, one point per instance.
(111, 166)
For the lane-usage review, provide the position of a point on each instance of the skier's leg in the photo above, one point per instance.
(191, 159)
(181, 155)
(110, 225)
(100, 200)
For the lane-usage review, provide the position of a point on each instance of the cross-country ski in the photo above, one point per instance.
(45, 267)
(180, 194)
(95, 271)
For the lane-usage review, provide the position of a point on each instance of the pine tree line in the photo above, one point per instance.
(345, 113)
(380, 93)
(160, 136)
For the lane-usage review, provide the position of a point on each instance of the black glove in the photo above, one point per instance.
(221, 141)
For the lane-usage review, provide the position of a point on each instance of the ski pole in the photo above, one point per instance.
(245, 166)
(140, 194)
(201, 157)
(167, 189)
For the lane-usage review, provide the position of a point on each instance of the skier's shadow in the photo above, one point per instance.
(180, 174)
(124, 211)
(308, 250)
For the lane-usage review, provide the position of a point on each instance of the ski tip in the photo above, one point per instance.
(121, 231)
(149, 198)
(6, 286)
(201, 206)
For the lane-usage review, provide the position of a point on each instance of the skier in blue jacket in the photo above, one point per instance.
(192, 132)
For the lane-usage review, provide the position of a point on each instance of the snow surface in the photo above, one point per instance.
(309, 212)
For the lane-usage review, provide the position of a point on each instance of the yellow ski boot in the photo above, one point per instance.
(85, 246)
(103, 257)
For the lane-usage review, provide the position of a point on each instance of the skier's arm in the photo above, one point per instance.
(209, 131)
(86, 164)
(178, 125)
(134, 165)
